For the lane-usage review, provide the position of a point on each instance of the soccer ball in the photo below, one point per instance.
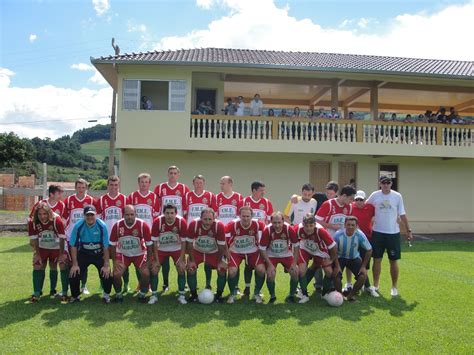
(206, 296)
(334, 299)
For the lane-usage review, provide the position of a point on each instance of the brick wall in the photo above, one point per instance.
(26, 181)
(7, 180)
(18, 202)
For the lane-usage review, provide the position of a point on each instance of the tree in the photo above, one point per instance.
(14, 150)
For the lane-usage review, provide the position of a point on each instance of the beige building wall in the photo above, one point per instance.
(438, 194)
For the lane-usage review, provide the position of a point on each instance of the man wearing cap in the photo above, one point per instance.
(389, 207)
(90, 246)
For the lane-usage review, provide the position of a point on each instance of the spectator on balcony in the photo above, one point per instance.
(230, 109)
(296, 112)
(310, 114)
(441, 115)
(408, 119)
(430, 118)
(381, 117)
(256, 106)
(351, 116)
(422, 118)
(320, 113)
(271, 113)
(333, 115)
(452, 115)
(146, 103)
(240, 106)
(210, 109)
(282, 113)
(394, 117)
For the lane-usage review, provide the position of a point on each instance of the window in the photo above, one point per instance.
(390, 170)
(154, 95)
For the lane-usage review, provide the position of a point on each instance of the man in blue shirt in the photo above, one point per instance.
(90, 246)
(349, 240)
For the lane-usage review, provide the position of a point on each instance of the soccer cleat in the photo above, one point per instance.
(299, 293)
(318, 287)
(75, 299)
(393, 292)
(32, 299)
(153, 299)
(85, 291)
(246, 291)
(106, 299)
(290, 299)
(304, 299)
(272, 300)
(118, 299)
(64, 299)
(192, 298)
(258, 298)
(230, 299)
(181, 299)
(218, 299)
(372, 291)
(53, 294)
(166, 288)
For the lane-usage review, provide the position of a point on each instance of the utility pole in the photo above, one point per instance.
(112, 121)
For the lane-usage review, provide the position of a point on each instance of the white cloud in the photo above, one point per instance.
(132, 27)
(65, 110)
(262, 25)
(101, 6)
(97, 78)
(32, 37)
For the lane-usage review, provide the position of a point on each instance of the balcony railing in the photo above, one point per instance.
(325, 130)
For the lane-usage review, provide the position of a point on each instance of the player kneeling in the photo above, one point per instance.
(206, 244)
(169, 238)
(317, 244)
(46, 232)
(130, 242)
(349, 240)
(242, 236)
(278, 241)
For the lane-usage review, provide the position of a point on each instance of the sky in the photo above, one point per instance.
(48, 88)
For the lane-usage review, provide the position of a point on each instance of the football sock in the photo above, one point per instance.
(38, 280)
(309, 275)
(126, 279)
(64, 281)
(259, 280)
(271, 288)
(137, 272)
(293, 286)
(208, 271)
(84, 278)
(232, 284)
(154, 283)
(304, 284)
(247, 275)
(53, 279)
(165, 269)
(327, 284)
(192, 282)
(181, 282)
(221, 281)
(367, 282)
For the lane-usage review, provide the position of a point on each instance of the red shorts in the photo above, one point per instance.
(162, 255)
(138, 261)
(209, 259)
(251, 259)
(286, 262)
(48, 254)
(318, 261)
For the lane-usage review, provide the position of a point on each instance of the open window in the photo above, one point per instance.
(154, 95)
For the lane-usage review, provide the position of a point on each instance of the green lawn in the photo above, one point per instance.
(98, 149)
(433, 314)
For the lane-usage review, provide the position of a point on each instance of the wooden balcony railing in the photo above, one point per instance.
(325, 130)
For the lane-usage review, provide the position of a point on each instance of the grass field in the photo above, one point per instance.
(98, 149)
(434, 314)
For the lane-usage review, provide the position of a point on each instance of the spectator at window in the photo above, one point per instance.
(271, 113)
(333, 115)
(310, 114)
(282, 113)
(296, 112)
(256, 106)
(441, 115)
(146, 103)
(230, 109)
(240, 106)
(210, 109)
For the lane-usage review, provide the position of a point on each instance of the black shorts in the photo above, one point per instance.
(362, 252)
(352, 264)
(389, 242)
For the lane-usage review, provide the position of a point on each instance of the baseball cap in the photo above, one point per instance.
(90, 210)
(385, 178)
(360, 194)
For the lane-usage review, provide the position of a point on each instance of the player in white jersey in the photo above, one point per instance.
(295, 212)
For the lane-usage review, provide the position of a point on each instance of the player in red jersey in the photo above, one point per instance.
(228, 202)
(198, 199)
(147, 207)
(316, 244)
(110, 208)
(279, 245)
(74, 212)
(169, 237)
(54, 201)
(130, 242)
(262, 210)
(243, 235)
(47, 237)
(206, 244)
(171, 192)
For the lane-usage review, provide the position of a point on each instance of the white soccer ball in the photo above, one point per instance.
(334, 299)
(206, 296)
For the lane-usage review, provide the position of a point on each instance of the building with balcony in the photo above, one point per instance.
(160, 123)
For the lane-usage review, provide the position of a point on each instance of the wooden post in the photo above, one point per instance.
(274, 128)
(439, 135)
(360, 131)
(335, 94)
(346, 113)
(374, 102)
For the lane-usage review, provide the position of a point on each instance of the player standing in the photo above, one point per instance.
(198, 199)
(243, 235)
(169, 233)
(46, 232)
(54, 201)
(206, 243)
(294, 212)
(279, 245)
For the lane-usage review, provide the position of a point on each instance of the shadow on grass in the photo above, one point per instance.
(26, 248)
(188, 316)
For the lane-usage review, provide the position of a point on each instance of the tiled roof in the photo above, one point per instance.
(299, 60)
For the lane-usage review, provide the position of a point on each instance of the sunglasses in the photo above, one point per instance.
(386, 182)
(359, 199)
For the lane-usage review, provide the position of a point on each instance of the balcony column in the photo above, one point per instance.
(374, 102)
(346, 113)
(335, 94)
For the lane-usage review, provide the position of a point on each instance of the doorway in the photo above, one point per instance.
(390, 170)
(205, 95)
(319, 174)
(347, 174)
